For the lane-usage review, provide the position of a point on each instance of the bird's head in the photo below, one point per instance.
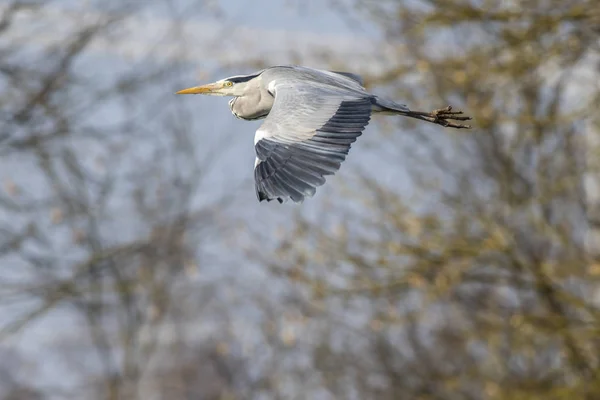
(233, 86)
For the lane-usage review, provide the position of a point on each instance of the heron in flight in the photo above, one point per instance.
(311, 118)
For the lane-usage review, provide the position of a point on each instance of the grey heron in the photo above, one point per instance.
(311, 118)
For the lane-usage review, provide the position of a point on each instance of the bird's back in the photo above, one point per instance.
(311, 76)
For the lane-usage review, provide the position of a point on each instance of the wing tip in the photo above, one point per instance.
(262, 196)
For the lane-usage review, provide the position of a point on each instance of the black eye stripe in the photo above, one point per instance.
(240, 79)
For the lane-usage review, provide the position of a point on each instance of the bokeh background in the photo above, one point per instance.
(136, 262)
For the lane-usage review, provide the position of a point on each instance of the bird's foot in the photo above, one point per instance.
(445, 116)
(442, 116)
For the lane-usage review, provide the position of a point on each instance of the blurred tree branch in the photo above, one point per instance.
(480, 285)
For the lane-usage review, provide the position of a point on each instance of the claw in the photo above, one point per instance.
(443, 115)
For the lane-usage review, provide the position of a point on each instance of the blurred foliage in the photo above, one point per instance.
(478, 282)
(100, 234)
(484, 283)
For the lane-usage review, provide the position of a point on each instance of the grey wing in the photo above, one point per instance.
(352, 76)
(305, 137)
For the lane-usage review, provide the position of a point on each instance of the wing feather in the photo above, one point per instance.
(305, 137)
(352, 76)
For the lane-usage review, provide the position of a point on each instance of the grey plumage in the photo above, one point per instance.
(315, 118)
(311, 118)
(294, 168)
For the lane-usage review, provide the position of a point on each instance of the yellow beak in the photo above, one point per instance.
(211, 87)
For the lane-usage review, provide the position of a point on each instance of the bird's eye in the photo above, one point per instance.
(228, 84)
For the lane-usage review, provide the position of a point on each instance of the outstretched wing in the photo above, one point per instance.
(305, 137)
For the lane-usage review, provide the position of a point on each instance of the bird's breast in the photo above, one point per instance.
(250, 108)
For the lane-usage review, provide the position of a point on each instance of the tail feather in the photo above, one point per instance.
(389, 107)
